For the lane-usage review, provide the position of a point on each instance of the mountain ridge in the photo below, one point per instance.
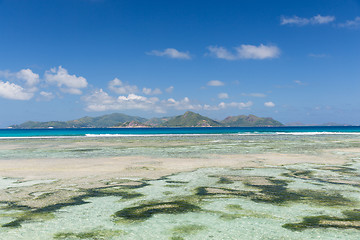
(188, 119)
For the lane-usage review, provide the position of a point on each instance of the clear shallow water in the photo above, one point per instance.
(218, 216)
(209, 203)
(178, 146)
(101, 132)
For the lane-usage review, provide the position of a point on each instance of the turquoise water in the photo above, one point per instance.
(296, 201)
(232, 209)
(163, 131)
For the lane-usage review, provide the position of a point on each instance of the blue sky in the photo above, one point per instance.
(290, 60)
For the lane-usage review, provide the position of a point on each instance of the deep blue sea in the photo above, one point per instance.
(94, 132)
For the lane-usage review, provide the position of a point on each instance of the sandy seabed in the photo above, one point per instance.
(242, 181)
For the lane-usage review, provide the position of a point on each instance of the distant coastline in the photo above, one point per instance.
(119, 120)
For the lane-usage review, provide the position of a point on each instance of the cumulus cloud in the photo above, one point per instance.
(13, 91)
(223, 95)
(183, 104)
(316, 20)
(26, 75)
(269, 104)
(215, 83)
(239, 105)
(171, 53)
(66, 82)
(119, 87)
(170, 89)
(101, 101)
(351, 23)
(221, 52)
(149, 91)
(245, 51)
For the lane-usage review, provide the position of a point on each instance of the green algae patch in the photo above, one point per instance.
(45, 213)
(173, 186)
(37, 214)
(232, 207)
(214, 191)
(28, 216)
(303, 174)
(351, 220)
(168, 193)
(324, 198)
(341, 169)
(177, 238)
(224, 180)
(84, 150)
(146, 211)
(97, 234)
(188, 229)
(275, 191)
(229, 216)
(113, 191)
(178, 182)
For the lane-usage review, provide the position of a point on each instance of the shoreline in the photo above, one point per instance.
(59, 181)
(155, 167)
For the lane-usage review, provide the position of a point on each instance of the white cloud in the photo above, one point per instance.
(223, 95)
(149, 91)
(13, 91)
(31, 78)
(119, 87)
(215, 83)
(47, 96)
(298, 82)
(184, 104)
(245, 51)
(101, 101)
(260, 52)
(71, 91)
(351, 23)
(221, 52)
(260, 95)
(239, 105)
(269, 104)
(171, 53)
(170, 89)
(316, 20)
(68, 83)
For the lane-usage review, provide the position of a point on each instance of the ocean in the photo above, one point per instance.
(180, 183)
(93, 132)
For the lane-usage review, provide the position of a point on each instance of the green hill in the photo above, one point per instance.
(133, 124)
(190, 119)
(157, 121)
(104, 121)
(249, 121)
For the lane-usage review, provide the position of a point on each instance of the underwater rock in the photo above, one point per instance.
(352, 220)
(145, 211)
(97, 234)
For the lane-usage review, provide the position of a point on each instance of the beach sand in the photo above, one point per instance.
(72, 177)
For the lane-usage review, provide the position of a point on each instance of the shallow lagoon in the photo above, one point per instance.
(292, 201)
